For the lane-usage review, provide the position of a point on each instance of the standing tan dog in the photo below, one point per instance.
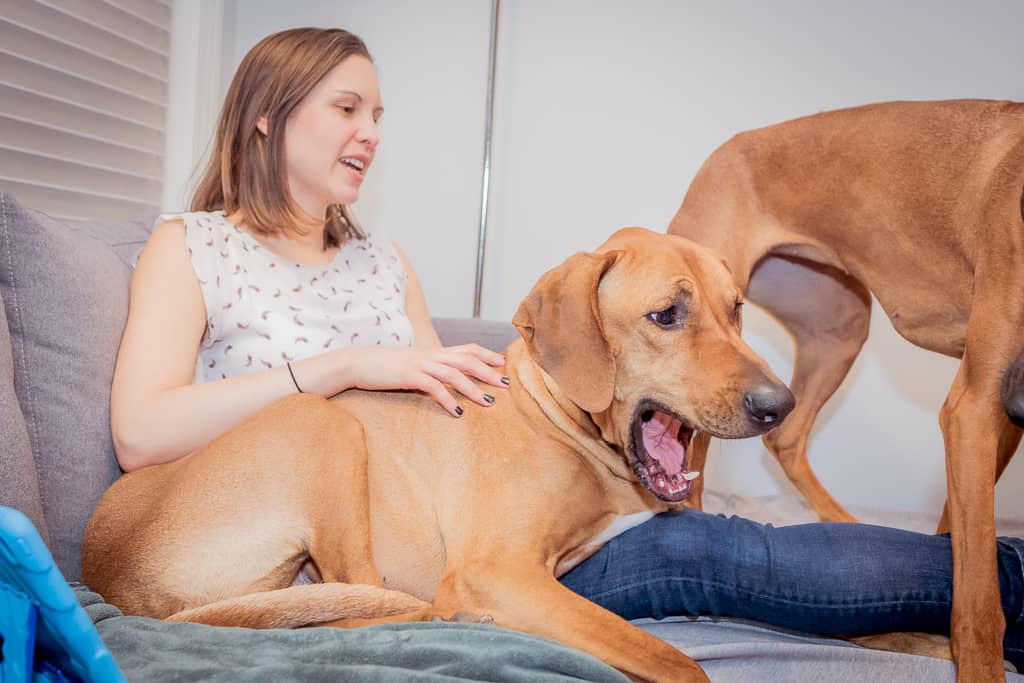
(920, 204)
(631, 358)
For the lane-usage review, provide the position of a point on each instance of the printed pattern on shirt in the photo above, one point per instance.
(263, 310)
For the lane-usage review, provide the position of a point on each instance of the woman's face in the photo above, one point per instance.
(331, 137)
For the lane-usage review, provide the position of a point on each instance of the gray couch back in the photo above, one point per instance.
(64, 288)
(64, 293)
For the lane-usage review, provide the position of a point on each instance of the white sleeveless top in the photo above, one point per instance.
(263, 310)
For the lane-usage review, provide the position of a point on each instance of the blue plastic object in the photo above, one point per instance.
(46, 635)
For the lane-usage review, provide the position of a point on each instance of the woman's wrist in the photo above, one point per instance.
(327, 374)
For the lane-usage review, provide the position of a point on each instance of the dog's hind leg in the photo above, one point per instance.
(696, 457)
(827, 312)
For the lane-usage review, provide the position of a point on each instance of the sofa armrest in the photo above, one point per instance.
(20, 487)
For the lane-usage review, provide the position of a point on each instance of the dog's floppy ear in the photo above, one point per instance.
(561, 325)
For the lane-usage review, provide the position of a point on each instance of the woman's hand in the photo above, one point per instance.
(428, 370)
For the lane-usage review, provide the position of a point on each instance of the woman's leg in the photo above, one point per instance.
(834, 579)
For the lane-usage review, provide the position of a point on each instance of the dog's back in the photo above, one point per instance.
(904, 196)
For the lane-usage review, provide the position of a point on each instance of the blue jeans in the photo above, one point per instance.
(829, 579)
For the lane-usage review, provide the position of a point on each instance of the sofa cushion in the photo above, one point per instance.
(20, 489)
(64, 286)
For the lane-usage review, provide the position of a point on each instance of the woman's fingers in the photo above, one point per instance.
(436, 390)
(473, 367)
(435, 372)
(454, 378)
(486, 355)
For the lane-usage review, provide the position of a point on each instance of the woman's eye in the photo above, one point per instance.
(346, 108)
(668, 318)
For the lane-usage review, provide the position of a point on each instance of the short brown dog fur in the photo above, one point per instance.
(435, 516)
(920, 204)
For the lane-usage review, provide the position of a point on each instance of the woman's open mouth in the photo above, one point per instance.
(660, 442)
(355, 167)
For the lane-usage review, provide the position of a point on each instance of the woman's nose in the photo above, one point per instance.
(369, 135)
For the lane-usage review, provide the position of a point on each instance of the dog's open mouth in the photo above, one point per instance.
(660, 443)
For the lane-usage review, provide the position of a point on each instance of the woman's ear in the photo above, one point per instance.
(261, 125)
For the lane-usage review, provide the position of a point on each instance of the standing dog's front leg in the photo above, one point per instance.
(973, 418)
(969, 422)
(533, 601)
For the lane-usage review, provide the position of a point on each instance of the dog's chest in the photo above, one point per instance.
(619, 524)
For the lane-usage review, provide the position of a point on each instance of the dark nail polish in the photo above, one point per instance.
(458, 410)
(505, 381)
(488, 398)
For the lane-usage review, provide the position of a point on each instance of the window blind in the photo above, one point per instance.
(83, 103)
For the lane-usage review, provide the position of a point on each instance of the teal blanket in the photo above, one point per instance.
(153, 650)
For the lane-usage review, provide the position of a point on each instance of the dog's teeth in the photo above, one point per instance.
(690, 476)
(661, 483)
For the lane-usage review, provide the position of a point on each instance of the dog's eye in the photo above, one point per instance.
(737, 312)
(669, 318)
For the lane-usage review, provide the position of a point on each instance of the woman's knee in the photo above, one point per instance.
(708, 543)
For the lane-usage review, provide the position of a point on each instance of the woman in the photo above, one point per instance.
(296, 137)
(274, 286)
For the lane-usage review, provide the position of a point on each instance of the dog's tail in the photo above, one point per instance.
(304, 605)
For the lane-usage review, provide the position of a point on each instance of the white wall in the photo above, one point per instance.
(604, 112)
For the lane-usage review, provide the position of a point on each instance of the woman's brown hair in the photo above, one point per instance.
(246, 170)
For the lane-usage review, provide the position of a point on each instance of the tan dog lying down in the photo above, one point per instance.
(920, 204)
(476, 515)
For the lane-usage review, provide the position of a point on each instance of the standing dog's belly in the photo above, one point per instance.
(927, 296)
(929, 320)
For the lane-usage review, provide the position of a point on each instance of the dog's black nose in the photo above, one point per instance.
(769, 404)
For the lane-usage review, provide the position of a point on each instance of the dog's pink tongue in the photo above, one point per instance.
(660, 440)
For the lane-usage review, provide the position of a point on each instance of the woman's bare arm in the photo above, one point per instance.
(158, 415)
(416, 306)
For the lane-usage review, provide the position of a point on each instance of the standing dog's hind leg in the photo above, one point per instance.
(696, 457)
(828, 313)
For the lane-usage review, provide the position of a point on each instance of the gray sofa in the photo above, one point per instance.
(64, 292)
